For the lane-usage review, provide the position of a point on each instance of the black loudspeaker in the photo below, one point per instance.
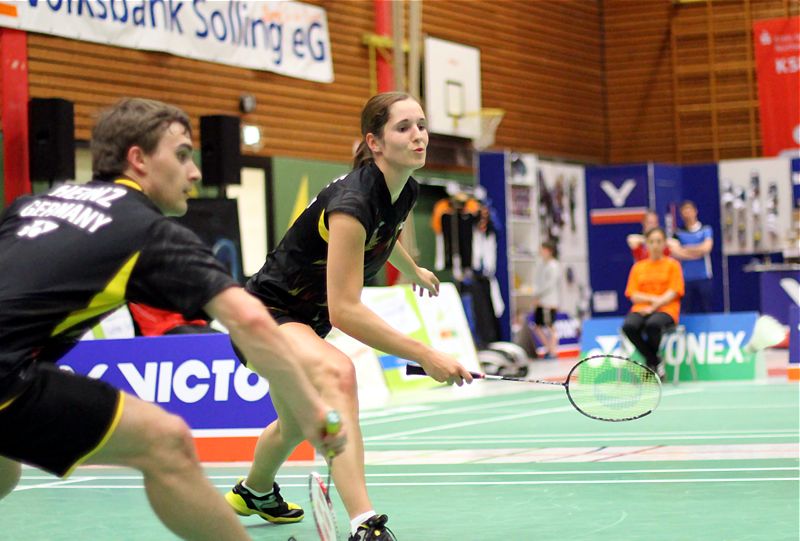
(220, 150)
(51, 139)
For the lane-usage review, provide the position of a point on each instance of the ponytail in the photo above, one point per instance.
(363, 155)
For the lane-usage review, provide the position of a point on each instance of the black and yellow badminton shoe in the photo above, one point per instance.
(373, 529)
(271, 507)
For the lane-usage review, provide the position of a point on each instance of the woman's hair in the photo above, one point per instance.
(550, 245)
(130, 122)
(649, 232)
(374, 117)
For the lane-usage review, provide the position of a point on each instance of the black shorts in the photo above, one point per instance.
(59, 420)
(545, 317)
(321, 326)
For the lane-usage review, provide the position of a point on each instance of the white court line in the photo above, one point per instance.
(460, 474)
(55, 484)
(493, 405)
(433, 412)
(399, 441)
(489, 420)
(559, 435)
(487, 483)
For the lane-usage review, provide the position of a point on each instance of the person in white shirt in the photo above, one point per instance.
(546, 298)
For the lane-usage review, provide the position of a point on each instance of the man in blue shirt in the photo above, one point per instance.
(692, 249)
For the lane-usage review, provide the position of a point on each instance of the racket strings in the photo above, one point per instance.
(614, 388)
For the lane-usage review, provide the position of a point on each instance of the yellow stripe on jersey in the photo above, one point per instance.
(323, 231)
(129, 183)
(111, 428)
(108, 299)
(7, 403)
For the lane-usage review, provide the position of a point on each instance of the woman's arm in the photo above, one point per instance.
(422, 278)
(663, 299)
(347, 312)
(269, 354)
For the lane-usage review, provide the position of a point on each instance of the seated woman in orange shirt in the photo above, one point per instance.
(655, 286)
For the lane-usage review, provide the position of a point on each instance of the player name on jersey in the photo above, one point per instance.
(80, 215)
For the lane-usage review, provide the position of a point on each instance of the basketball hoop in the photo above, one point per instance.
(490, 119)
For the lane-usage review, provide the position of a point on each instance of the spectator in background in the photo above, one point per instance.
(692, 247)
(655, 286)
(636, 240)
(546, 298)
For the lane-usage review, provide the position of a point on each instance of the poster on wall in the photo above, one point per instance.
(562, 221)
(755, 205)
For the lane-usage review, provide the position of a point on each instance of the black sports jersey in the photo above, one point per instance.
(293, 279)
(72, 255)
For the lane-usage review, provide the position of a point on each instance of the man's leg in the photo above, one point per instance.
(160, 446)
(10, 472)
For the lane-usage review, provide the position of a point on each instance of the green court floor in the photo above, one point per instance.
(716, 461)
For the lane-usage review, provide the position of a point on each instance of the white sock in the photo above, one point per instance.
(360, 519)
(255, 492)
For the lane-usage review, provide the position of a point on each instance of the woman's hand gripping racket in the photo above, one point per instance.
(602, 387)
(319, 494)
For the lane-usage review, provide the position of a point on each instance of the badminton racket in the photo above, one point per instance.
(319, 491)
(602, 387)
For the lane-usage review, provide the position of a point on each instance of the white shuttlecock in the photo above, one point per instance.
(616, 362)
(596, 361)
(767, 332)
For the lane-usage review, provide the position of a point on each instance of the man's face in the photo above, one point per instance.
(689, 214)
(172, 171)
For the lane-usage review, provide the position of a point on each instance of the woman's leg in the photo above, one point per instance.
(654, 326)
(333, 374)
(633, 327)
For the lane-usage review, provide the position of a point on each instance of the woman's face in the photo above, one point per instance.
(655, 244)
(404, 140)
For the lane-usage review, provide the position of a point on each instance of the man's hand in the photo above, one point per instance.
(328, 442)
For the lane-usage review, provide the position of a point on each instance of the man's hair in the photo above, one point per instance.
(650, 232)
(130, 122)
(687, 203)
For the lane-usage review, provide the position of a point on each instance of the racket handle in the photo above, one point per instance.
(416, 370)
(333, 423)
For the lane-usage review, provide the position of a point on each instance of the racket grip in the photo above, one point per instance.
(333, 423)
(416, 370)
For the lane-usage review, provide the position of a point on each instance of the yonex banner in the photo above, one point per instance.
(777, 52)
(713, 342)
(289, 38)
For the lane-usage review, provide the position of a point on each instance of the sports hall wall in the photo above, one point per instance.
(551, 49)
(613, 81)
(680, 79)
